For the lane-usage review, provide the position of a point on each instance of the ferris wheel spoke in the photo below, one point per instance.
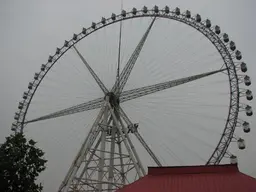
(119, 85)
(118, 57)
(97, 79)
(140, 92)
(94, 104)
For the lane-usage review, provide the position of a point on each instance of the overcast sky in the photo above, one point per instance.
(30, 31)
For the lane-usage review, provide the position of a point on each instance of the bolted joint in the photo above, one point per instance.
(112, 99)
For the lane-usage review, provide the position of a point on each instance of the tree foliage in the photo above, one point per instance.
(20, 164)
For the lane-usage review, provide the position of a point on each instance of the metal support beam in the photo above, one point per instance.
(143, 91)
(96, 78)
(88, 161)
(83, 150)
(141, 140)
(112, 153)
(86, 106)
(102, 148)
(131, 150)
(131, 62)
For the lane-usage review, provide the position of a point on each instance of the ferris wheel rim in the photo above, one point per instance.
(228, 132)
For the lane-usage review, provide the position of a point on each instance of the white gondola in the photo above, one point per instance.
(208, 23)
(198, 18)
(30, 85)
(57, 51)
(84, 30)
(43, 66)
(50, 59)
(225, 37)
(103, 20)
(177, 11)
(217, 29)
(167, 9)
(247, 80)
(249, 95)
(113, 16)
(93, 25)
(188, 14)
(20, 106)
(238, 55)
(248, 110)
(246, 127)
(233, 159)
(123, 13)
(66, 43)
(156, 10)
(134, 11)
(36, 76)
(25, 95)
(241, 143)
(243, 67)
(145, 9)
(16, 116)
(74, 37)
(232, 45)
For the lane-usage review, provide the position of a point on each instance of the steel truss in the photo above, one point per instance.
(106, 157)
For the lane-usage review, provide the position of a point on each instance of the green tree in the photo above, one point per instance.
(20, 164)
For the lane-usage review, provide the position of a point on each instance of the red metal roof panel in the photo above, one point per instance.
(221, 178)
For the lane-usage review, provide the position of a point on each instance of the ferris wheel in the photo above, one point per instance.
(163, 69)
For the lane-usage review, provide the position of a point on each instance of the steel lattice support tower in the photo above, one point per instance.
(107, 156)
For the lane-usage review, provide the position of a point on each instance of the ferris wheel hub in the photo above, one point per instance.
(112, 98)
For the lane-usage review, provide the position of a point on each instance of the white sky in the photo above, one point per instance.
(30, 31)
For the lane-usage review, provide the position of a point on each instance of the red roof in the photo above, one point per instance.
(213, 178)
